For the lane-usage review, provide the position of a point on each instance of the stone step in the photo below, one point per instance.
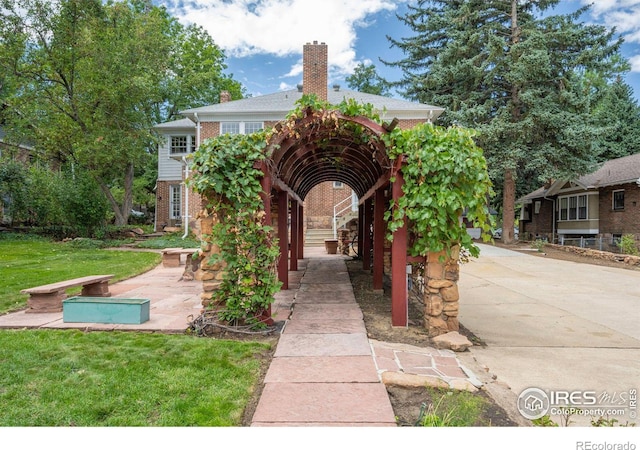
(315, 237)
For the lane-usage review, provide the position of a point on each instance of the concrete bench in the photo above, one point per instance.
(48, 298)
(171, 256)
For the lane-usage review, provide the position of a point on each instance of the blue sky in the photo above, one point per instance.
(263, 39)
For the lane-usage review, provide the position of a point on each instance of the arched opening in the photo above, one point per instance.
(331, 146)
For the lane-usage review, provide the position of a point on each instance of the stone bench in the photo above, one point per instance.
(48, 298)
(171, 256)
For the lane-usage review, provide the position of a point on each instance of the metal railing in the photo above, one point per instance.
(339, 210)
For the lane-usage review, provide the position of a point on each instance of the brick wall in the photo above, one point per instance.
(318, 205)
(620, 222)
(541, 224)
(209, 129)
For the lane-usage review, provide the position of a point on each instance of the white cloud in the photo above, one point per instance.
(282, 27)
(624, 15)
(635, 63)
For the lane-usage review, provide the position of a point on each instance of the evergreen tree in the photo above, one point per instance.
(618, 115)
(517, 77)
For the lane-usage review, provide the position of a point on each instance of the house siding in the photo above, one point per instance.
(168, 169)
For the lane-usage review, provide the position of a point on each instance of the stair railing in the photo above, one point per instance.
(338, 210)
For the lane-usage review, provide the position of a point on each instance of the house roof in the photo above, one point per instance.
(611, 173)
(177, 125)
(281, 103)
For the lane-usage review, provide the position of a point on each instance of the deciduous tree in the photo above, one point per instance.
(91, 78)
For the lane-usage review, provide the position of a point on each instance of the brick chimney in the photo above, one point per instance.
(225, 96)
(314, 69)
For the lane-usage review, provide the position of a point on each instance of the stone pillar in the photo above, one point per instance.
(441, 297)
(210, 273)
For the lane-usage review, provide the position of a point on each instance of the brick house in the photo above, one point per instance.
(603, 204)
(248, 115)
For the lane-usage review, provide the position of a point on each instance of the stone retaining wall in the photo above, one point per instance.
(598, 254)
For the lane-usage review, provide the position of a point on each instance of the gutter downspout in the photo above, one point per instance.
(553, 220)
(186, 198)
(186, 175)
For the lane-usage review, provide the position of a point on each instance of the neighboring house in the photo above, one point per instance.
(21, 153)
(603, 204)
(262, 112)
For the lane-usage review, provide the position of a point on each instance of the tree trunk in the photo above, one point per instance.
(123, 211)
(509, 187)
(508, 206)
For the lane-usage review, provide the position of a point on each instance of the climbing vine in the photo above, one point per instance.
(445, 175)
(226, 175)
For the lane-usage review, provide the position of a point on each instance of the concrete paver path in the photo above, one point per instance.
(323, 373)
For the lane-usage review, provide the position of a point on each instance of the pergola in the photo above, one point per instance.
(330, 146)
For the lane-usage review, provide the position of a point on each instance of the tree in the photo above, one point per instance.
(365, 79)
(93, 77)
(196, 74)
(618, 114)
(516, 77)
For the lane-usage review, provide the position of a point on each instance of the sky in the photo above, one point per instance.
(263, 39)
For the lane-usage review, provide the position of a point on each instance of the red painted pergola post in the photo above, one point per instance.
(265, 182)
(399, 303)
(283, 237)
(300, 231)
(366, 238)
(378, 239)
(293, 263)
(360, 229)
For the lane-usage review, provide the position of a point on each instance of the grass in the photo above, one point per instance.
(62, 378)
(170, 240)
(452, 409)
(29, 261)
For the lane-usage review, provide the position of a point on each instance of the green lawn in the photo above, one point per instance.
(29, 261)
(63, 378)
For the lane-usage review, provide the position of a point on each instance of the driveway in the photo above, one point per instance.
(557, 326)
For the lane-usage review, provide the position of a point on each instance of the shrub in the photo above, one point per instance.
(628, 245)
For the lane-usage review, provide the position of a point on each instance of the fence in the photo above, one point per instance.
(608, 244)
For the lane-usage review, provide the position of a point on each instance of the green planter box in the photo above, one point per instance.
(105, 310)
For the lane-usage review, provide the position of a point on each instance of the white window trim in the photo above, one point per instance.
(172, 203)
(241, 125)
(577, 208)
(191, 144)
